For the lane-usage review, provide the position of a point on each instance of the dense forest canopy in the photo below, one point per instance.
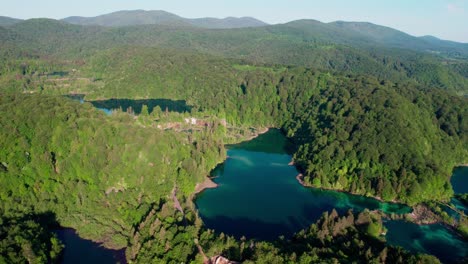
(343, 47)
(375, 119)
(356, 133)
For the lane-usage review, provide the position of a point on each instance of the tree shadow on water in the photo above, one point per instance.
(179, 106)
(251, 229)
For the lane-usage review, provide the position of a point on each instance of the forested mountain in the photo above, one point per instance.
(129, 18)
(7, 21)
(340, 32)
(228, 22)
(158, 17)
(368, 33)
(301, 43)
(355, 34)
(368, 109)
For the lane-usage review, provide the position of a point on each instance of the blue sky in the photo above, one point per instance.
(447, 19)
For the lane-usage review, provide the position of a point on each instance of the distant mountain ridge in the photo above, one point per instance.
(8, 21)
(337, 32)
(158, 17)
(235, 31)
(359, 34)
(351, 47)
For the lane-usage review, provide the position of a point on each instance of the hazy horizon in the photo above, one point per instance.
(444, 19)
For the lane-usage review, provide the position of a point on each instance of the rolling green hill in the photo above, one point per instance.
(8, 21)
(379, 35)
(129, 18)
(158, 17)
(301, 43)
(339, 32)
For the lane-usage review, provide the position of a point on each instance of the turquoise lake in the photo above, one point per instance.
(434, 239)
(259, 197)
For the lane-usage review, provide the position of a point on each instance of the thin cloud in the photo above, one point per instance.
(453, 8)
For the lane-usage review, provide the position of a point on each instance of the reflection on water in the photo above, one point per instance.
(135, 106)
(78, 250)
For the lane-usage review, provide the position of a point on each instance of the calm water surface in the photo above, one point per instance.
(259, 197)
(435, 239)
(136, 105)
(459, 180)
(80, 251)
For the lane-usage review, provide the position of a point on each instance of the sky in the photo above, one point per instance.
(446, 19)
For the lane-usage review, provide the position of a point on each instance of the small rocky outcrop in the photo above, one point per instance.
(220, 260)
(423, 215)
(206, 184)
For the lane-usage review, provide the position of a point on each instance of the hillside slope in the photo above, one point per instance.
(158, 17)
(8, 21)
(306, 43)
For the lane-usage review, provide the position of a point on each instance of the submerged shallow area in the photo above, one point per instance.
(434, 239)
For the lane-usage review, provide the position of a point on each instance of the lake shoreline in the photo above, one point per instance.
(208, 183)
(253, 164)
(258, 132)
(300, 179)
(102, 241)
(417, 216)
(69, 237)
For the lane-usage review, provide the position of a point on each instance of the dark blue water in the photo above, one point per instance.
(135, 105)
(459, 180)
(81, 251)
(80, 98)
(434, 239)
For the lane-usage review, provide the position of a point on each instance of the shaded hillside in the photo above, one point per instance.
(8, 21)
